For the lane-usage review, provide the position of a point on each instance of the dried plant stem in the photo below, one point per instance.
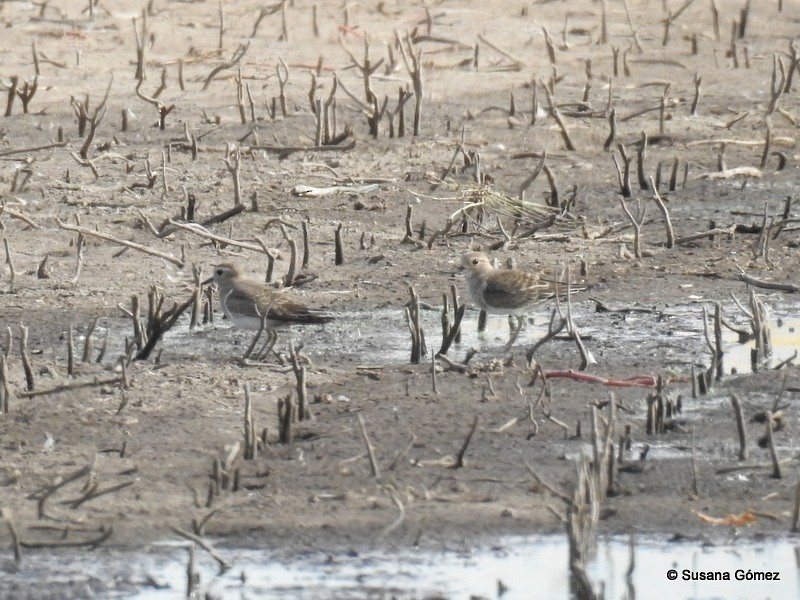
(413, 63)
(641, 154)
(43, 495)
(556, 114)
(740, 427)
(624, 171)
(250, 439)
(140, 35)
(373, 463)
(205, 545)
(796, 510)
(695, 487)
(233, 162)
(285, 415)
(418, 347)
(5, 390)
(637, 226)
(232, 62)
(338, 246)
(300, 375)
(26, 358)
(664, 213)
(612, 125)
(110, 238)
(12, 530)
(163, 109)
(459, 462)
(776, 465)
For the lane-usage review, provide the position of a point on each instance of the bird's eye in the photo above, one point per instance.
(219, 272)
(475, 261)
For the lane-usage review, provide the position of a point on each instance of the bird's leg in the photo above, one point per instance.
(515, 333)
(252, 345)
(269, 344)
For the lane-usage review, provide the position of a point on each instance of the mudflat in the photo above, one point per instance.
(240, 167)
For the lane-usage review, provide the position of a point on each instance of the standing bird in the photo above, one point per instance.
(250, 304)
(504, 291)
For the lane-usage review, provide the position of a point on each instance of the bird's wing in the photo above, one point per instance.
(509, 292)
(278, 306)
(237, 302)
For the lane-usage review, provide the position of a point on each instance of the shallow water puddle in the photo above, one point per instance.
(529, 567)
(381, 336)
(785, 336)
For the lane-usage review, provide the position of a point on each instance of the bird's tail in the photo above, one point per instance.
(304, 317)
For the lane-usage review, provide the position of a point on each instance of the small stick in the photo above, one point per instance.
(641, 154)
(697, 81)
(776, 465)
(433, 374)
(400, 517)
(740, 427)
(232, 62)
(288, 280)
(5, 390)
(104, 236)
(181, 81)
(26, 358)
(777, 82)
(140, 35)
(202, 232)
(711, 232)
(623, 173)
(459, 462)
(454, 331)
(767, 144)
(796, 511)
(163, 109)
(233, 162)
(554, 112)
(6, 514)
(373, 463)
(612, 124)
(205, 545)
(88, 346)
(250, 445)
(306, 251)
(695, 489)
(637, 227)
(284, 37)
(664, 213)
(557, 493)
(95, 491)
(768, 285)
(338, 249)
(673, 177)
(285, 410)
(10, 263)
(104, 534)
(300, 376)
(413, 65)
(43, 495)
(283, 77)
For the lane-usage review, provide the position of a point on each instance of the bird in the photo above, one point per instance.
(505, 291)
(250, 304)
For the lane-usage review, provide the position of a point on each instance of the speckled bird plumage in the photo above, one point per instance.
(505, 291)
(244, 301)
(502, 291)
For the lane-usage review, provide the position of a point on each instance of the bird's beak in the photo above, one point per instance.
(207, 281)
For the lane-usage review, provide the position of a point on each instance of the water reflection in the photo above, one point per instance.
(520, 567)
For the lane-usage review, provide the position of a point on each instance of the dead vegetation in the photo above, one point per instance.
(641, 141)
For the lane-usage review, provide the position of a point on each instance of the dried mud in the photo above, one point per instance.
(186, 410)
